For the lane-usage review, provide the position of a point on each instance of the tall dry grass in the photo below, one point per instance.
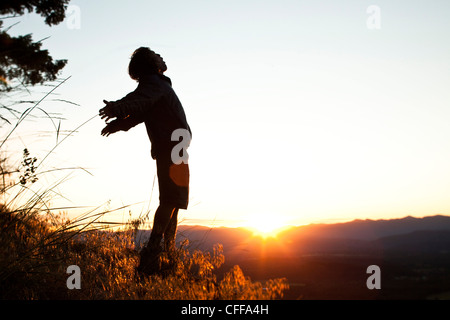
(38, 243)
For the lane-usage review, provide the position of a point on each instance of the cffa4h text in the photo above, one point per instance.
(234, 309)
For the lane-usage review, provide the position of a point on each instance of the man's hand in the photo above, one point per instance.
(110, 128)
(106, 112)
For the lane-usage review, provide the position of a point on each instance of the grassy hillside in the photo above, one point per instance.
(35, 253)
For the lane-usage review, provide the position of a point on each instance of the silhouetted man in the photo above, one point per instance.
(155, 103)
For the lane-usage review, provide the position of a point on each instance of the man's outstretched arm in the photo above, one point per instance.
(133, 104)
(120, 125)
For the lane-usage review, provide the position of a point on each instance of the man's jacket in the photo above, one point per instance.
(155, 103)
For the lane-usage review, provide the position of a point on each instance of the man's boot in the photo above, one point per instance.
(150, 257)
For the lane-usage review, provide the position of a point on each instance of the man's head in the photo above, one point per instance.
(144, 62)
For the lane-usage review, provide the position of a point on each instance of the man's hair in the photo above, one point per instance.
(145, 61)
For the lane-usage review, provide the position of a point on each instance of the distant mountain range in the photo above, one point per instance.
(329, 261)
(362, 237)
(375, 229)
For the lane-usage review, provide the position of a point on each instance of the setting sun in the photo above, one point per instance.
(266, 225)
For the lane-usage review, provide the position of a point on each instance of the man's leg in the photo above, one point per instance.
(149, 254)
(171, 231)
(161, 222)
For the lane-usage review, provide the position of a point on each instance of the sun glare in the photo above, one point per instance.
(266, 226)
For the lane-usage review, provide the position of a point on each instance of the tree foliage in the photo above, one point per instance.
(21, 58)
(52, 10)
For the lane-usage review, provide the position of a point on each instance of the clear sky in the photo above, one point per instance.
(301, 111)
